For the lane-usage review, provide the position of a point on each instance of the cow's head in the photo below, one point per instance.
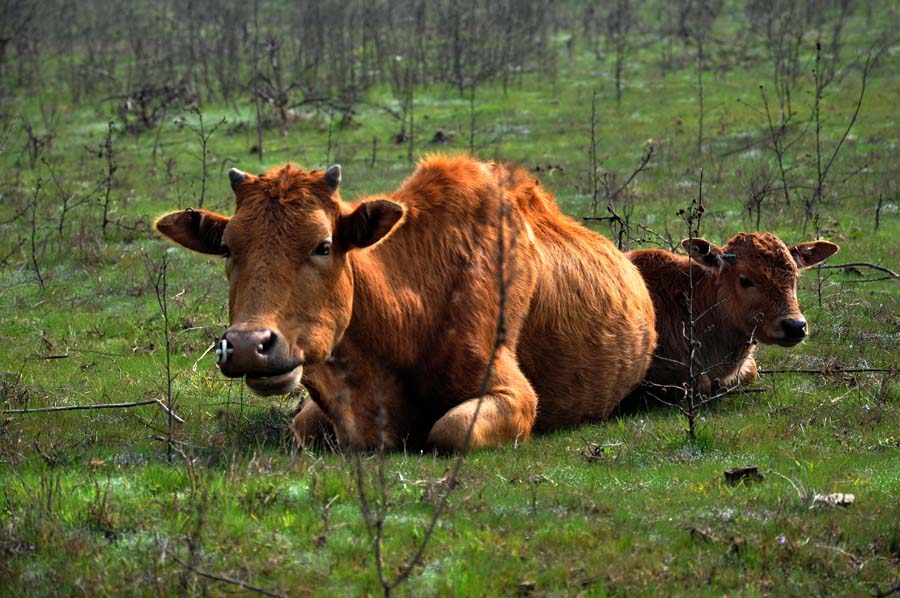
(756, 282)
(290, 284)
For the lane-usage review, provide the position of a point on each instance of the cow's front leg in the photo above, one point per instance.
(507, 411)
(748, 372)
(311, 426)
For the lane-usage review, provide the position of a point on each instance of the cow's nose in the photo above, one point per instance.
(794, 328)
(243, 352)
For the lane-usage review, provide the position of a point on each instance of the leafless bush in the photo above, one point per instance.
(695, 22)
(37, 142)
(157, 273)
(35, 200)
(69, 200)
(203, 136)
(759, 189)
(106, 152)
(620, 19)
(619, 202)
(824, 163)
(147, 106)
(781, 25)
(690, 398)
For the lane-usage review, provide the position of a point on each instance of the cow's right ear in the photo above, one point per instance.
(704, 253)
(198, 230)
(369, 223)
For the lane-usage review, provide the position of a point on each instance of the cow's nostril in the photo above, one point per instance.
(266, 341)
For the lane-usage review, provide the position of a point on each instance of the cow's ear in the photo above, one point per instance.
(704, 253)
(810, 254)
(369, 223)
(198, 230)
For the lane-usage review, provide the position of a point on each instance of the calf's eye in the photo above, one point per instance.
(323, 248)
(746, 282)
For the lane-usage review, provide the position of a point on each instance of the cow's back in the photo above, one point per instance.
(590, 333)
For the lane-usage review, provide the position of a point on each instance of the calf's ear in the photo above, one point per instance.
(369, 223)
(810, 254)
(198, 230)
(704, 253)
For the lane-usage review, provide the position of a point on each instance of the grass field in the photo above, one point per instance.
(91, 505)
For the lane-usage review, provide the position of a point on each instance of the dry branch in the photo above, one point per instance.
(890, 273)
(98, 406)
(827, 370)
(221, 578)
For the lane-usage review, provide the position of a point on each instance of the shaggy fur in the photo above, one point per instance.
(395, 328)
(730, 315)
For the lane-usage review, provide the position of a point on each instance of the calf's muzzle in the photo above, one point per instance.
(794, 329)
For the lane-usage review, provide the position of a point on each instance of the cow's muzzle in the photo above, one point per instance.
(262, 357)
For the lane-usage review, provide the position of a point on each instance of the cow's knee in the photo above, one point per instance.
(505, 413)
(311, 426)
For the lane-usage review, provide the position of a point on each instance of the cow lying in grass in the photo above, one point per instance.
(387, 309)
(742, 293)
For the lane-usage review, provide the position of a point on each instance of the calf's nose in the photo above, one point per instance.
(794, 328)
(240, 352)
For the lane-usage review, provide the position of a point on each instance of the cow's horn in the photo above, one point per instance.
(333, 176)
(236, 177)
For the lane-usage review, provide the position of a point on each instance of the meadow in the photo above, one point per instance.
(95, 309)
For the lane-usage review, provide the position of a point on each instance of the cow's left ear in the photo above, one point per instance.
(704, 253)
(810, 254)
(369, 223)
(198, 230)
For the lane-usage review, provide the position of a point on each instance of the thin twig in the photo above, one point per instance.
(98, 406)
(644, 161)
(235, 582)
(15, 120)
(826, 370)
(890, 273)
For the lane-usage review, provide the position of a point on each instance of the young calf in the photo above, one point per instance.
(742, 294)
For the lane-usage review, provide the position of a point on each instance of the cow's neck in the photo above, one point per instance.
(362, 379)
(384, 301)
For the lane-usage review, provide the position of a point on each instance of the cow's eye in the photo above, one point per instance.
(324, 248)
(746, 282)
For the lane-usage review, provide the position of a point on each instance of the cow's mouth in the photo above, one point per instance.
(279, 384)
(788, 341)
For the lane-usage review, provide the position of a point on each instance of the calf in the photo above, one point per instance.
(742, 294)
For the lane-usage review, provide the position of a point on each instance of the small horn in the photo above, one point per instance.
(333, 176)
(236, 177)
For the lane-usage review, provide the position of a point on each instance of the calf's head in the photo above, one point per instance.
(290, 283)
(756, 283)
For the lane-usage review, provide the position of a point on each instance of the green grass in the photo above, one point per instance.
(89, 502)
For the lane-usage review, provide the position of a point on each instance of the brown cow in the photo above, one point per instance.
(388, 308)
(742, 293)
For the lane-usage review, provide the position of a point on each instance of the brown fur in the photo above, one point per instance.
(395, 339)
(730, 318)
